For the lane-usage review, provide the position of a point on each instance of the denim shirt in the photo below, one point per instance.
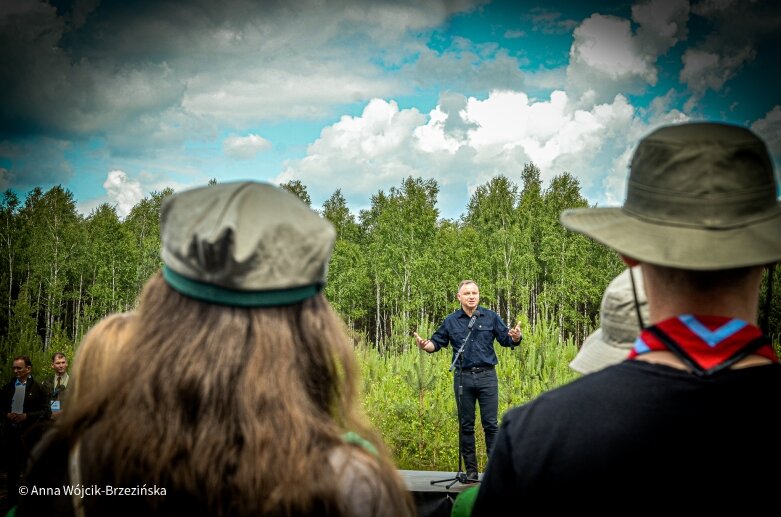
(479, 350)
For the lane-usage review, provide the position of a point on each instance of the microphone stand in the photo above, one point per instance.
(460, 475)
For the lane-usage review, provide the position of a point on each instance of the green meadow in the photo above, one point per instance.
(409, 395)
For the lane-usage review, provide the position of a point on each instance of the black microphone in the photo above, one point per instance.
(473, 320)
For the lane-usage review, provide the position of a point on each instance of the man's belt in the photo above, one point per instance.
(476, 369)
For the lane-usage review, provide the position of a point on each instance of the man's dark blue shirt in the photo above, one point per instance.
(479, 350)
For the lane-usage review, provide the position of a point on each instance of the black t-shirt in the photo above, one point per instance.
(640, 438)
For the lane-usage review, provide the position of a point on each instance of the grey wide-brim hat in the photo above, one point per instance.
(244, 244)
(619, 327)
(700, 196)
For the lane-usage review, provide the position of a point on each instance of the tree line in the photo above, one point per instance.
(395, 266)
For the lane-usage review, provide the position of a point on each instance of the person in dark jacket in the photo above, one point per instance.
(25, 404)
(474, 380)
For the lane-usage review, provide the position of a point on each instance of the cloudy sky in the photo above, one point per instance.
(116, 99)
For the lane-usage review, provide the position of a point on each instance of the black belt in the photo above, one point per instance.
(476, 369)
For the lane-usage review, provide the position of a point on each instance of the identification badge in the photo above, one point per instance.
(55, 405)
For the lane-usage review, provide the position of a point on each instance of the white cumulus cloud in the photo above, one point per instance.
(245, 147)
(740, 32)
(607, 57)
(463, 142)
(605, 44)
(616, 172)
(662, 24)
(704, 70)
(769, 128)
(124, 192)
(6, 178)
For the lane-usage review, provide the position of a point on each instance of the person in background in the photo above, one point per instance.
(57, 384)
(474, 378)
(687, 421)
(25, 404)
(237, 390)
(611, 343)
(97, 356)
(619, 323)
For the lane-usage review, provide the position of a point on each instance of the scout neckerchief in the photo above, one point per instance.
(705, 344)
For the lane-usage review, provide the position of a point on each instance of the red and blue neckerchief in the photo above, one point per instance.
(706, 344)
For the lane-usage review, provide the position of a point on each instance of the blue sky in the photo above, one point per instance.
(114, 100)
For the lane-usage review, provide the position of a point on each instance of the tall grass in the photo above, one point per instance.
(409, 396)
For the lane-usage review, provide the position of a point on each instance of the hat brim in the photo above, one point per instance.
(679, 246)
(596, 354)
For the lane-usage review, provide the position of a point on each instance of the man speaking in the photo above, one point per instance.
(472, 330)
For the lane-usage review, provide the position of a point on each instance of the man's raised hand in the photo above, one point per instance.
(421, 342)
(515, 332)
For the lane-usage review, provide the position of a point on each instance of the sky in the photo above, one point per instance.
(114, 100)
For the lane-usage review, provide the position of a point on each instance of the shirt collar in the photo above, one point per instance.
(462, 313)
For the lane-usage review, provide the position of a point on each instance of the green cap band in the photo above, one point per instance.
(224, 296)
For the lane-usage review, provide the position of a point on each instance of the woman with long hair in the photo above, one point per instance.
(237, 393)
(96, 356)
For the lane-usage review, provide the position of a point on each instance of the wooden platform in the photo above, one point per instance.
(420, 481)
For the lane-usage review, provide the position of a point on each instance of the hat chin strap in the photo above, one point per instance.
(765, 324)
(637, 302)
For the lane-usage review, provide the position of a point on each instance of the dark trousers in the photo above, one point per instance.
(481, 387)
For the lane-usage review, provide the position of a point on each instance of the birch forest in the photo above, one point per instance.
(395, 267)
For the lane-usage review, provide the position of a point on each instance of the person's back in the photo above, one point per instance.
(237, 391)
(640, 427)
(686, 423)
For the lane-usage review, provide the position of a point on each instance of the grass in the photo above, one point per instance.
(409, 396)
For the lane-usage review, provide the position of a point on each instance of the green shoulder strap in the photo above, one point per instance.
(355, 438)
(465, 501)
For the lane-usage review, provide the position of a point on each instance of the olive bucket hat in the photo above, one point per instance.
(619, 325)
(244, 244)
(700, 196)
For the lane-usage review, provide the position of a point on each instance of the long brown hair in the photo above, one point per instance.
(97, 354)
(234, 411)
